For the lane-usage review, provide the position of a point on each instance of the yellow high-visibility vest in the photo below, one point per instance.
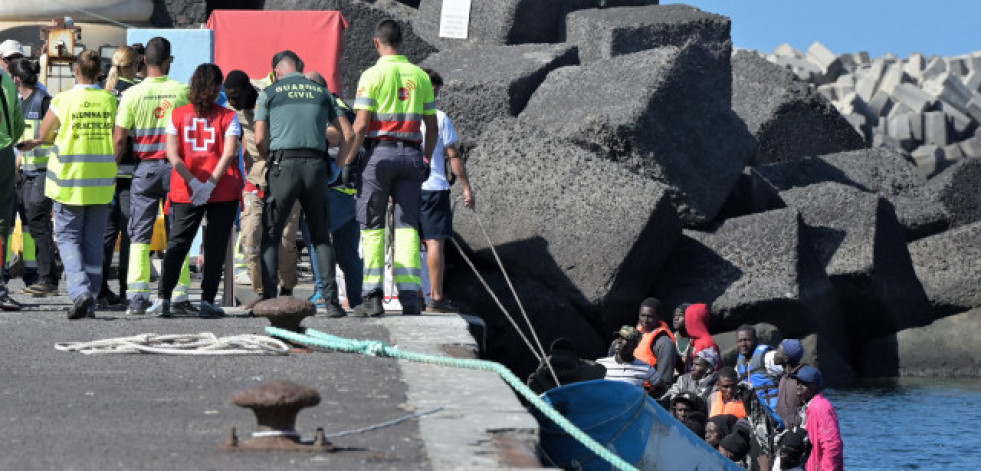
(82, 166)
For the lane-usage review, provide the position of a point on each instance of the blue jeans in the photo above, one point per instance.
(346, 232)
(79, 231)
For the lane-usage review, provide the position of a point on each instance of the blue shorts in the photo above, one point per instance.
(436, 221)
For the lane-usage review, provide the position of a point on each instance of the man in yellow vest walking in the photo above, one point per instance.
(394, 98)
(81, 178)
(144, 112)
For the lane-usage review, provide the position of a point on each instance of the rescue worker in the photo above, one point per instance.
(242, 96)
(81, 178)
(291, 119)
(33, 164)
(11, 129)
(394, 99)
(144, 112)
(657, 345)
(125, 62)
(756, 367)
(202, 144)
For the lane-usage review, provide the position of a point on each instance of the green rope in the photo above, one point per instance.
(380, 349)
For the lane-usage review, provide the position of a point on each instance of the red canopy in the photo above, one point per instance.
(248, 39)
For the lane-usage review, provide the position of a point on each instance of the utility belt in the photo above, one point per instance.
(283, 154)
(370, 144)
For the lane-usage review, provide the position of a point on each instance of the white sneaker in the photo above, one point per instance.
(160, 308)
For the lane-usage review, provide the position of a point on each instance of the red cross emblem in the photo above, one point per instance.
(199, 134)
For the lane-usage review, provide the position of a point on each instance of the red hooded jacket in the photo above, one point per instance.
(696, 324)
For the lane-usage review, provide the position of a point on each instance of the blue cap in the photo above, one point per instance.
(793, 349)
(809, 374)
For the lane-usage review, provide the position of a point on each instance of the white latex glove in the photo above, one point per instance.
(203, 194)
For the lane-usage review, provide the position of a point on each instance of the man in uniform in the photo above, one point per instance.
(144, 112)
(242, 96)
(394, 99)
(11, 128)
(291, 117)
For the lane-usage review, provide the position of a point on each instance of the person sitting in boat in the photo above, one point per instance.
(622, 366)
(719, 427)
(701, 380)
(727, 399)
(789, 354)
(735, 446)
(657, 345)
(694, 324)
(567, 366)
(820, 421)
(696, 422)
(684, 404)
(755, 365)
(792, 446)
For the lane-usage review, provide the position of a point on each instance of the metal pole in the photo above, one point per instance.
(228, 278)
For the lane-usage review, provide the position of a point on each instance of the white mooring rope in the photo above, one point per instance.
(205, 343)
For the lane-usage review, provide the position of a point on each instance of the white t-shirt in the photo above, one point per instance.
(446, 137)
(636, 373)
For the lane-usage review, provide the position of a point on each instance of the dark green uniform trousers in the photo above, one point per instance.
(304, 179)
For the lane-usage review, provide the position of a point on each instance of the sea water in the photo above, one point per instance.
(911, 423)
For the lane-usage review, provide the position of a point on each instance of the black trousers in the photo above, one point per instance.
(185, 220)
(37, 209)
(119, 211)
(304, 179)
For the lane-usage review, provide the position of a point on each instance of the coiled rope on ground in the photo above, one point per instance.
(205, 343)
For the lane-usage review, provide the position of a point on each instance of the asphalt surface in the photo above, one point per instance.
(68, 411)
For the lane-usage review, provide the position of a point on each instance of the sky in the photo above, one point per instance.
(930, 27)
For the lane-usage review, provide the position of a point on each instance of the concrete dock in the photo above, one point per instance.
(70, 411)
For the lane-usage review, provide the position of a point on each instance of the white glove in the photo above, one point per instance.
(202, 194)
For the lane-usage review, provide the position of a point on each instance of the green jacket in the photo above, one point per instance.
(15, 127)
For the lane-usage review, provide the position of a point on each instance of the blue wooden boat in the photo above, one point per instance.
(623, 418)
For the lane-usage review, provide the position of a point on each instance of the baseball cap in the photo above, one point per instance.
(628, 332)
(793, 349)
(10, 47)
(809, 374)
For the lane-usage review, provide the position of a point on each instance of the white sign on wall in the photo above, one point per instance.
(454, 19)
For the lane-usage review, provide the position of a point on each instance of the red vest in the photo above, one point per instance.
(201, 142)
(645, 351)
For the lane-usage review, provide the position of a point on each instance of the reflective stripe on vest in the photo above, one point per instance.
(645, 350)
(82, 167)
(399, 94)
(147, 106)
(720, 407)
(35, 160)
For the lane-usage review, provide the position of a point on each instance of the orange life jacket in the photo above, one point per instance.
(645, 351)
(719, 406)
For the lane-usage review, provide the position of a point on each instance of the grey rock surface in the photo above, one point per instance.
(947, 347)
(585, 227)
(861, 246)
(608, 32)
(657, 114)
(483, 83)
(949, 266)
(362, 16)
(500, 22)
(788, 119)
(958, 191)
(752, 269)
(879, 170)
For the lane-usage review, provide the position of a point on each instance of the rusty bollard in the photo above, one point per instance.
(285, 312)
(275, 405)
